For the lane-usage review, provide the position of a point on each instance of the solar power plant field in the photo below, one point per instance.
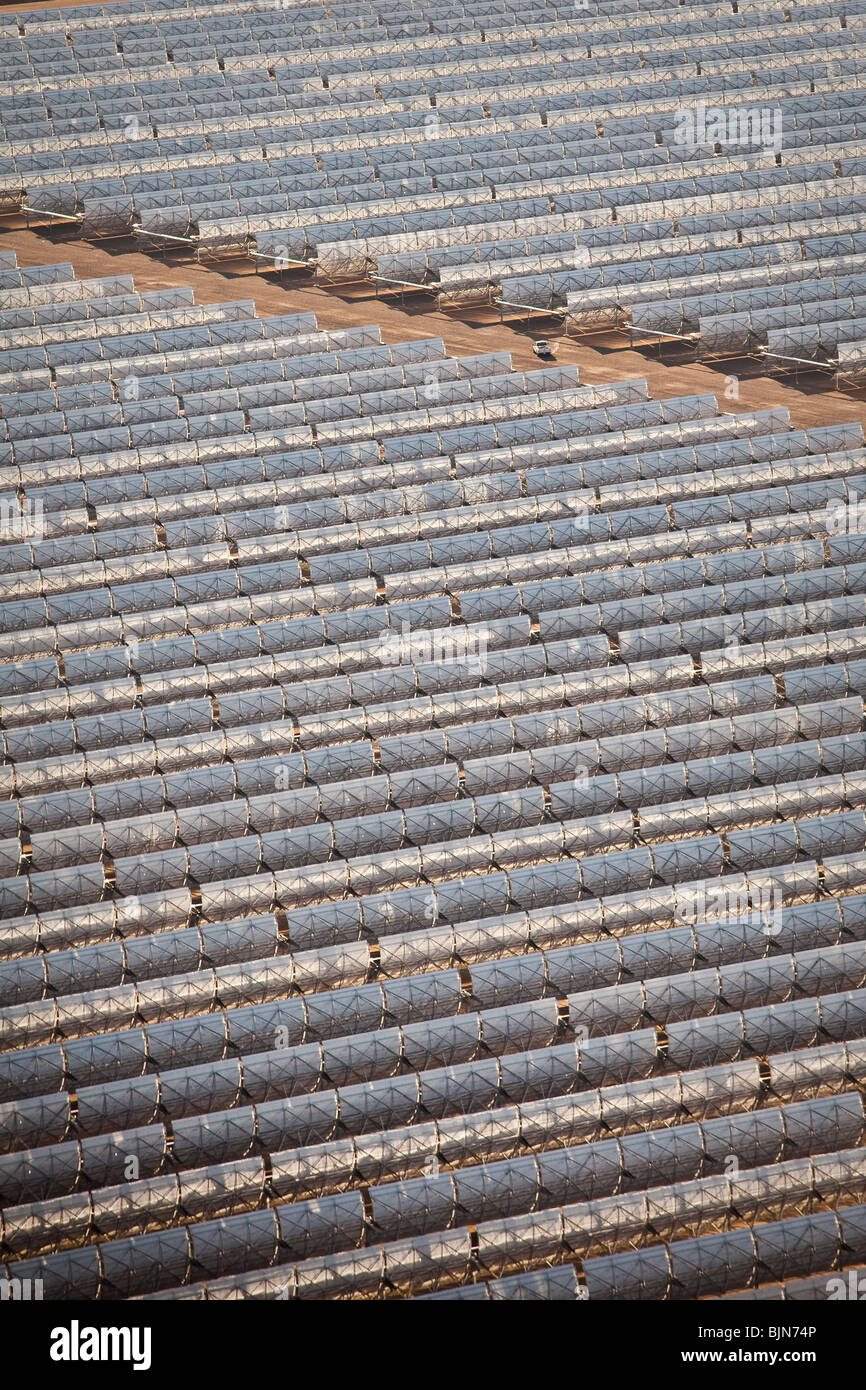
(433, 780)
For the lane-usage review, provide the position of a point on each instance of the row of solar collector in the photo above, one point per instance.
(75, 105)
(551, 973)
(77, 111)
(52, 26)
(133, 302)
(385, 392)
(370, 50)
(249, 352)
(413, 1263)
(305, 698)
(496, 412)
(329, 924)
(175, 132)
(751, 694)
(57, 45)
(426, 1025)
(294, 84)
(222, 323)
(226, 236)
(552, 291)
(490, 174)
(591, 523)
(729, 1265)
(332, 169)
(679, 1265)
(272, 193)
(68, 297)
(62, 55)
(56, 166)
(685, 315)
(179, 112)
(411, 574)
(324, 636)
(407, 579)
(593, 1075)
(58, 56)
(810, 338)
(482, 283)
(224, 802)
(534, 872)
(108, 325)
(363, 65)
(546, 180)
(363, 72)
(420, 433)
(568, 531)
(409, 115)
(426, 141)
(241, 382)
(600, 245)
(456, 1137)
(457, 1141)
(348, 256)
(358, 74)
(73, 65)
(559, 919)
(46, 285)
(612, 306)
(668, 1166)
(458, 512)
(431, 150)
(214, 1033)
(639, 688)
(298, 867)
(477, 445)
(583, 586)
(352, 755)
(816, 329)
(122, 215)
(513, 545)
(271, 758)
(252, 509)
(563, 233)
(121, 818)
(121, 425)
(296, 240)
(28, 1229)
(410, 384)
(13, 276)
(334, 934)
(75, 1001)
(89, 16)
(501, 769)
(323, 467)
(387, 105)
(435, 945)
(172, 12)
(162, 1261)
(211, 801)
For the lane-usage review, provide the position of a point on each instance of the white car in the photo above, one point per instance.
(542, 348)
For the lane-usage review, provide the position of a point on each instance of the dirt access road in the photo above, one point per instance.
(811, 400)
